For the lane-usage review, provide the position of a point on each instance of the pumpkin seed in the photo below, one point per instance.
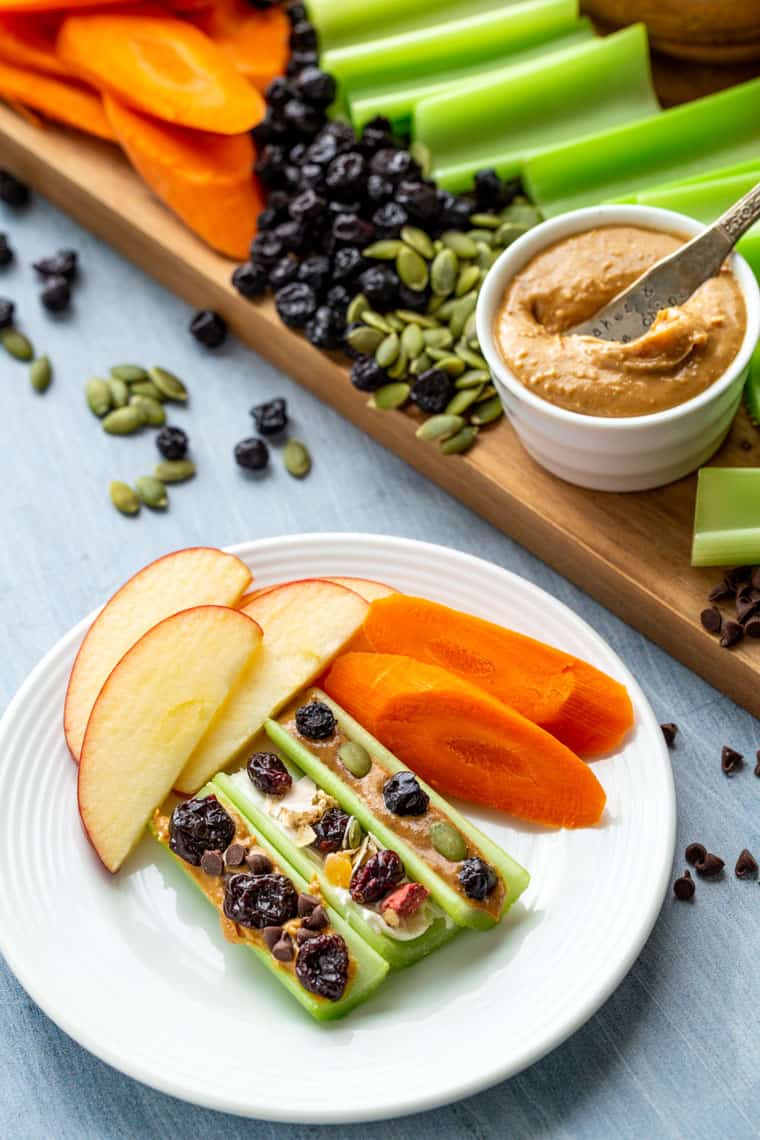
(486, 257)
(124, 498)
(389, 396)
(437, 338)
(296, 459)
(468, 278)
(435, 303)
(420, 364)
(446, 309)
(450, 364)
(396, 324)
(375, 321)
(522, 212)
(470, 329)
(353, 834)
(509, 232)
(155, 416)
(412, 269)
(359, 305)
(384, 250)
(443, 272)
(98, 396)
(152, 492)
(473, 358)
(412, 341)
(174, 470)
(119, 391)
(439, 427)
(478, 236)
(462, 309)
(447, 841)
(40, 374)
(487, 392)
(487, 412)
(365, 340)
(388, 350)
(124, 421)
(421, 155)
(170, 387)
(461, 244)
(460, 442)
(408, 317)
(16, 344)
(356, 758)
(463, 400)
(486, 221)
(400, 366)
(146, 388)
(418, 240)
(129, 373)
(473, 378)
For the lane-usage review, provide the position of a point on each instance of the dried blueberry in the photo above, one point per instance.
(295, 236)
(367, 375)
(302, 117)
(324, 148)
(197, 826)
(454, 212)
(316, 86)
(266, 250)
(380, 284)
(404, 796)
(12, 191)
(322, 966)
(295, 12)
(420, 201)
(379, 189)
(270, 165)
(381, 161)
(487, 189)
(56, 295)
(350, 229)
(432, 390)
(7, 309)
(250, 280)
(172, 442)
(478, 879)
(376, 877)
(209, 328)
(268, 773)
(6, 253)
(303, 37)
(271, 417)
(283, 272)
(346, 174)
(312, 176)
(330, 830)
(307, 205)
(64, 263)
(315, 721)
(257, 901)
(300, 60)
(348, 263)
(295, 304)
(389, 219)
(338, 298)
(278, 92)
(325, 329)
(416, 300)
(252, 454)
(315, 271)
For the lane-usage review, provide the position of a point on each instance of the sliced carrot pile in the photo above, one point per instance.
(465, 742)
(163, 66)
(206, 179)
(256, 40)
(583, 707)
(29, 41)
(57, 98)
(52, 5)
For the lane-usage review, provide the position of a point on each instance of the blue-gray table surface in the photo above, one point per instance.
(674, 1052)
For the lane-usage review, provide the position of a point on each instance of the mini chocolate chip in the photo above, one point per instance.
(670, 732)
(235, 854)
(757, 765)
(684, 888)
(212, 862)
(317, 920)
(747, 604)
(695, 853)
(283, 950)
(746, 865)
(306, 904)
(711, 619)
(271, 936)
(737, 576)
(710, 867)
(303, 934)
(752, 628)
(755, 577)
(732, 634)
(258, 863)
(730, 760)
(720, 593)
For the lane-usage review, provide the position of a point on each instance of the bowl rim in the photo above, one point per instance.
(546, 233)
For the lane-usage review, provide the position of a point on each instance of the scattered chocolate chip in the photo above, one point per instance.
(56, 296)
(747, 603)
(710, 867)
(737, 576)
(746, 865)
(711, 619)
(670, 732)
(755, 578)
(283, 950)
(695, 853)
(306, 904)
(303, 934)
(721, 593)
(684, 888)
(757, 765)
(752, 628)
(730, 760)
(732, 634)
(258, 863)
(271, 936)
(317, 920)
(235, 854)
(212, 862)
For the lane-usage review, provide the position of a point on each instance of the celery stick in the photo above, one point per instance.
(571, 94)
(752, 164)
(397, 100)
(727, 517)
(752, 388)
(717, 131)
(344, 22)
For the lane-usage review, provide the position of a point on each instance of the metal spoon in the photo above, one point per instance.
(673, 280)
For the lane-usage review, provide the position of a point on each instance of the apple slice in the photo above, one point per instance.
(150, 714)
(366, 588)
(305, 624)
(198, 576)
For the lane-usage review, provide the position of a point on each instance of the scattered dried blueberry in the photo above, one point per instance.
(6, 253)
(315, 721)
(684, 888)
(56, 295)
(7, 310)
(268, 773)
(172, 442)
(670, 732)
(197, 826)
(209, 328)
(730, 760)
(746, 865)
(478, 879)
(64, 263)
(330, 829)
(256, 901)
(757, 763)
(12, 191)
(322, 966)
(295, 304)
(212, 862)
(404, 796)
(432, 390)
(271, 417)
(258, 863)
(251, 454)
(379, 875)
(367, 375)
(325, 329)
(695, 853)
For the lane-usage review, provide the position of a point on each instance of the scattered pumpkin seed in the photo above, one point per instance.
(438, 338)
(296, 459)
(412, 269)
(353, 834)
(359, 305)
(152, 492)
(364, 339)
(40, 374)
(412, 341)
(174, 470)
(119, 391)
(386, 250)
(375, 321)
(460, 442)
(355, 757)
(409, 317)
(487, 412)
(461, 244)
(124, 498)
(439, 427)
(124, 421)
(444, 272)
(388, 350)
(98, 396)
(146, 388)
(463, 400)
(170, 387)
(422, 156)
(129, 373)
(389, 396)
(486, 221)
(16, 344)
(473, 378)
(448, 841)
(421, 364)
(400, 366)
(155, 416)
(418, 240)
(468, 278)
(472, 357)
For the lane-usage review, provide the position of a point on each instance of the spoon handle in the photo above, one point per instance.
(743, 214)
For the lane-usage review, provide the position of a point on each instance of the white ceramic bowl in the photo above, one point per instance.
(615, 454)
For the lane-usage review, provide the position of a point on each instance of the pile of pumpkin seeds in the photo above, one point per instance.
(406, 343)
(128, 399)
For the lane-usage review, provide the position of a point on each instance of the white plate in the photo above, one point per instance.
(135, 969)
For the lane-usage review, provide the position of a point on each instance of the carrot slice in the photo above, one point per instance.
(206, 179)
(63, 100)
(256, 40)
(583, 707)
(163, 66)
(464, 742)
(29, 41)
(52, 5)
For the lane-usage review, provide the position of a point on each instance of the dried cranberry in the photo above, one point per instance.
(322, 966)
(268, 773)
(172, 442)
(197, 826)
(56, 295)
(315, 721)
(12, 191)
(367, 375)
(295, 304)
(209, 328)
(432, 390)
(7, 309)
(6, 253)
(330, 829)
(404, 796)
(325, 328)
(376, 877)
(478, 879)
(251, 454)
(256, 901)
(271, 417)
(250, 280)
(64, 263)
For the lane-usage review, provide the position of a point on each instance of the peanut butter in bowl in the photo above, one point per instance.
(685, 351)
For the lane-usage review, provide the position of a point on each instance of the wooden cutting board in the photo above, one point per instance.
(631, 552)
